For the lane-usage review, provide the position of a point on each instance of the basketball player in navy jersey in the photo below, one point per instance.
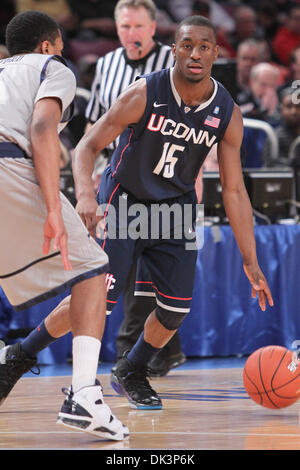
(168, 122)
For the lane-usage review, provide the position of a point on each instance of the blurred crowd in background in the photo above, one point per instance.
(259, 39)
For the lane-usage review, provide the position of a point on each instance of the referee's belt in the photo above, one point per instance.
(10, 150)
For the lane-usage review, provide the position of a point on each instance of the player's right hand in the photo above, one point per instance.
(87, 208)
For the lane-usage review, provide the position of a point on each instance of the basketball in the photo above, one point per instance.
(271, 377)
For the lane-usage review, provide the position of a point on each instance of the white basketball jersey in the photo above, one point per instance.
(24, 80)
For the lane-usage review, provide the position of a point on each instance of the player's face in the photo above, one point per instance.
(135, 25)
(195, 52)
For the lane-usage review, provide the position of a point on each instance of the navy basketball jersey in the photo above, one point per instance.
(160, 157)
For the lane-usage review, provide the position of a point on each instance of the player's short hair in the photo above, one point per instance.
(149, 5)
(28, 29)
(195, 20)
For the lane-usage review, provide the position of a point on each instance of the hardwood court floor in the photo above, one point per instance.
(202, 409)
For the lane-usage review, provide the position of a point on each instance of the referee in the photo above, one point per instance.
(139, 54)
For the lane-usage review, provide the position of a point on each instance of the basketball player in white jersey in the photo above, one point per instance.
(36, 93)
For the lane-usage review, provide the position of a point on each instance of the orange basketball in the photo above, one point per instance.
(271, 377)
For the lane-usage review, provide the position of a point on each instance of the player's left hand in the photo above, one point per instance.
(259, 285)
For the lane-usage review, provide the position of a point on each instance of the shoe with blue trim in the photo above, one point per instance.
(130, 381)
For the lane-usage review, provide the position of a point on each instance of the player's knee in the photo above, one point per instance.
(169, 319)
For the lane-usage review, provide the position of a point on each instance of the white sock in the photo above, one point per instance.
(86, 350)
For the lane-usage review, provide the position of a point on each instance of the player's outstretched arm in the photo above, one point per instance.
(238, 207)
(46, 157)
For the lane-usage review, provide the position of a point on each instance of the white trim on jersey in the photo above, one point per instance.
(178, 98)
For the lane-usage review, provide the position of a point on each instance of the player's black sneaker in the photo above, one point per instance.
(131, 381)
(14, 362)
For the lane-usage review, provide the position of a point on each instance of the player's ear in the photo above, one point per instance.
(153, 28)
(174, 50)
(42, 48)
(44, 45)
(217, 50)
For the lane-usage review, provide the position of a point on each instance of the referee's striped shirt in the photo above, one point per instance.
(115, 72)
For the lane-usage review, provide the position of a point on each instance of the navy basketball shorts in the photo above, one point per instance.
(160, 235)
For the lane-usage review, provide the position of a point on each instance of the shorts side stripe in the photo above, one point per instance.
(144, 294)
(173, 309)
(164, 295)
(63, 287)
(18, 271)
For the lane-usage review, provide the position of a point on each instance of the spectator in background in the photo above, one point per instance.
(246, 26)
(265, 55)
(294, 70)
(267, 16)
(218, 14)
(288, 36)
(177, 10)
(248, 55)
(261, 100)
(287, 131)
(283, 7)
(95, 17)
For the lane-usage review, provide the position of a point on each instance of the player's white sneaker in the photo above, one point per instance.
(86, 411)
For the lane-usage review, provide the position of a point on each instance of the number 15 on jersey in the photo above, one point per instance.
(168, 161)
